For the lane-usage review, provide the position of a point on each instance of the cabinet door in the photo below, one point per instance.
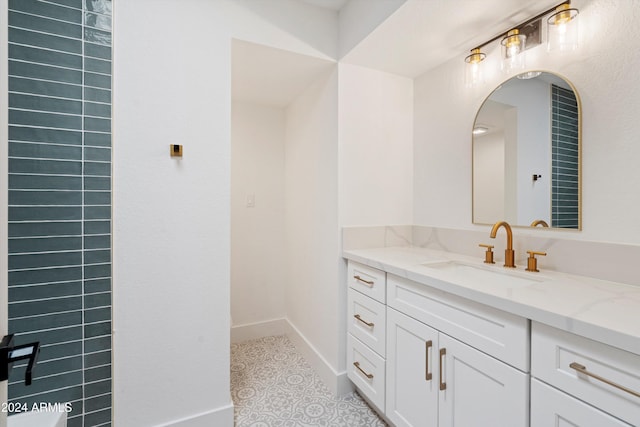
(479, 390)
(551, 407)
(412, 376)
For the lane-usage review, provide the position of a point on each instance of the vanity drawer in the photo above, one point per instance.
(367, 280)
(492, 331)
(367, 320)
(558, 356)
(367, 371)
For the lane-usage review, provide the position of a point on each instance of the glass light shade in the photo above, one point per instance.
(562, 29)
(473, 73)
(513, 46)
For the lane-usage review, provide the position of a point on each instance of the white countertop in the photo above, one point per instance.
(604, 311)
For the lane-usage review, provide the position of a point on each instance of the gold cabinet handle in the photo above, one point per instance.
(369, 324)
(357, 365)
(583, 370)
(368, 282)
(443, 353)
(428, 376)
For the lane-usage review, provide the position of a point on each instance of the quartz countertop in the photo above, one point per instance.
(601, 310)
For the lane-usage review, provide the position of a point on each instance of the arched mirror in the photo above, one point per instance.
(526, 154)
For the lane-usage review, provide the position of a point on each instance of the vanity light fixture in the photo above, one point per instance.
(562, 29)
(561, 35)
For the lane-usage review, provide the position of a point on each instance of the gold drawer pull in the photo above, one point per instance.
(443, 353)
(368, 282)
(357, 365)
(369, 324)
(428, 375)
(583, 370)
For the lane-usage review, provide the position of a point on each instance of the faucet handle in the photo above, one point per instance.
(488, 255)
(532, 261)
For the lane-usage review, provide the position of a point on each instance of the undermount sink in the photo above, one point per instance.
(479, 274)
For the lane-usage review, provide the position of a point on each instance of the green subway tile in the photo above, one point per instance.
(98, 388)
(97, 403)
(97, 330)
(97, 36)
(98, 125)
(60, 351)
(46, 57)
(92, 345)
(97, 212)
(97, 315)
(94, 301)
(45, 72)
(97, 169)
(97, 374)
(45, 25)
(40, 385)
(70, 3)
(45, 368)
(45, 229)
(97, 154)
(30, 118)
(54, 136)
(97, 51)
(97, 257)
(46, 244)
(58, 259)
(98, 110)
(32, 38)
(97, 198)
(97, 183)
(97, 242)
(62, 274)
(97, 227)
(97, 359)
(97, 139)
(97, 286)
(97, 95)
(54, 167)
(36, 7)
(49, 306)
(43, 198)
(45, 151)
(33, 182)
(76, 420)
(97, 65)
(39, 87)
(96, 271)
(45, 322)
(97, 80)
(60, 339)
(68, 394)
(40, 103)
(52, 290)
(34, 213)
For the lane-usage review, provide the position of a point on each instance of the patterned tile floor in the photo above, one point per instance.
(272, 385)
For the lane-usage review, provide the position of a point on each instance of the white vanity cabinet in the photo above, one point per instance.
(434, 379)
(600, 384)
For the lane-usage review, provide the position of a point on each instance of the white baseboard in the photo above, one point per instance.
(251, 331)
(222, 417)
(337, 382)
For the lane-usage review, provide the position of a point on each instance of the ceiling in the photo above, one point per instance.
(423, 34)
(327, 4)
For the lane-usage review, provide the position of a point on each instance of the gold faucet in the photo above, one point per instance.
(541, 222)
(509, 254)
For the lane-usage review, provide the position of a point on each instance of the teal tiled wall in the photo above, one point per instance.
(565, 191)
(60, 202)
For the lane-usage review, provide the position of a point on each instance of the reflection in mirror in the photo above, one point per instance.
(526, 154)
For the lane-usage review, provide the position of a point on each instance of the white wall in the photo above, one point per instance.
(488, 177)
(257, 233)
(376, 147)
(604, 78)
(171, 222)
(313, 298)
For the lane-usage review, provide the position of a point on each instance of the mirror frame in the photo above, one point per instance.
(579, 105)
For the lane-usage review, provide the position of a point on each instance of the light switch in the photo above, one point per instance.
(251, 200)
